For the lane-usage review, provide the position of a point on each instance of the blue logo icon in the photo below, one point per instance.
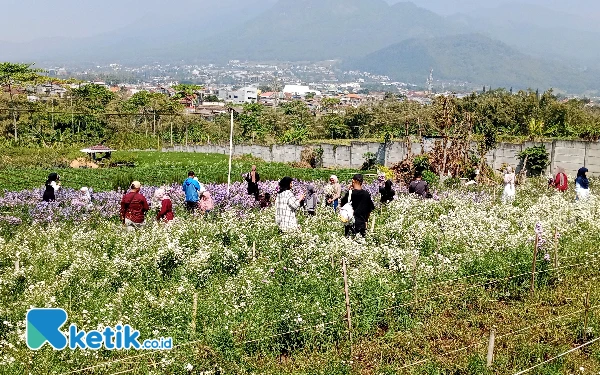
(43, 325)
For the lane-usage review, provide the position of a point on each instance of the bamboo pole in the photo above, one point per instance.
(491, 343)
(194, 312)
(348, 310)
(533, 263)
(586, 304)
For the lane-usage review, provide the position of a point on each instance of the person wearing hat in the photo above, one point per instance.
(134, 207)
(192, 188)
(362, 204)
(52, 186)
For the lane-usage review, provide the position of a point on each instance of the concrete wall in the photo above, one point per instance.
(570, 155)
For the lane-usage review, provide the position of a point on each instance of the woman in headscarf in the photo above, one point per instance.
(333, 192)
(166, 206)
(387, 193)
(509, 185)
(252, 179)
(560, 180)
(52, 186)
(286, 206)
(85, 197)
(582, 184)
(311, 200)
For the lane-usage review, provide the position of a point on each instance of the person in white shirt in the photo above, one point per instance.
(509, 185)
(286, 206)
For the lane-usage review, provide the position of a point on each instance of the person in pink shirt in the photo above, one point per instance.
(206, 203)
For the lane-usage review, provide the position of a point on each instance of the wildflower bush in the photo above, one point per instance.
(271, 303)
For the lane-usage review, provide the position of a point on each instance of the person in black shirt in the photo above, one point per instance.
(387, 193)
(252, 179)
(419, 187)
(362, 204)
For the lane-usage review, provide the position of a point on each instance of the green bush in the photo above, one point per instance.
(421, 163)
(537, 159)
(452, 183)
(370, 161)
(431, 178)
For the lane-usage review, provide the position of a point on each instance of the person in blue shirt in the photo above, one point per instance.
(191, 187)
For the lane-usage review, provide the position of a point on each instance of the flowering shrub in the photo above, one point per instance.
(258, 292)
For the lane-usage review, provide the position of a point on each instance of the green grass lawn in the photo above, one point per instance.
(29, 168)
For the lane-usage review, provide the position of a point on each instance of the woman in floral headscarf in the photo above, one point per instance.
(166, 207)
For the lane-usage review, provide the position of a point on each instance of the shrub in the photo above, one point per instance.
(370, 161)
(431, 178)
(452, 183)
(421, 163)
(537, 159)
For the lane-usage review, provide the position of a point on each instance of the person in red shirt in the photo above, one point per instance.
(134, 207)
(560, 180)
(166, 207)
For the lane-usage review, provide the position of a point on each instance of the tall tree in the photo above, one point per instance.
(14, 75)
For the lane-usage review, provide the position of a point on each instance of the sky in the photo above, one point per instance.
(587, 8)
(36, 19)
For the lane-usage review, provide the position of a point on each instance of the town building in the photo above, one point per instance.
(244, 95)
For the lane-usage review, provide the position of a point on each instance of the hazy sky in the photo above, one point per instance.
(31, 19)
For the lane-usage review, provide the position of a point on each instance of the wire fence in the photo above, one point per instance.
(321, 326)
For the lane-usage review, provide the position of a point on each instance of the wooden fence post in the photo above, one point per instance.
(414, 275)
(348, 311)
(373, 224)
(556, 248)
(586, 304)
(17, 266)
(535, 251)
(194, 312)
(171, 124)
(491, 343)
(253, 250)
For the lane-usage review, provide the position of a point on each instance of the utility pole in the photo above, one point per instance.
(430, 82)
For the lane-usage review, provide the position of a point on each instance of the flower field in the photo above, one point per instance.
(430, 281)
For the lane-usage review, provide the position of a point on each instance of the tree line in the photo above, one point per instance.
(92, 113)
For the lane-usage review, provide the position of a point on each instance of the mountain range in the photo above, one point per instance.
(505, 44)
(473, 58)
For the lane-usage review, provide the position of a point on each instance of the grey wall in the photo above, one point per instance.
(570, 155)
